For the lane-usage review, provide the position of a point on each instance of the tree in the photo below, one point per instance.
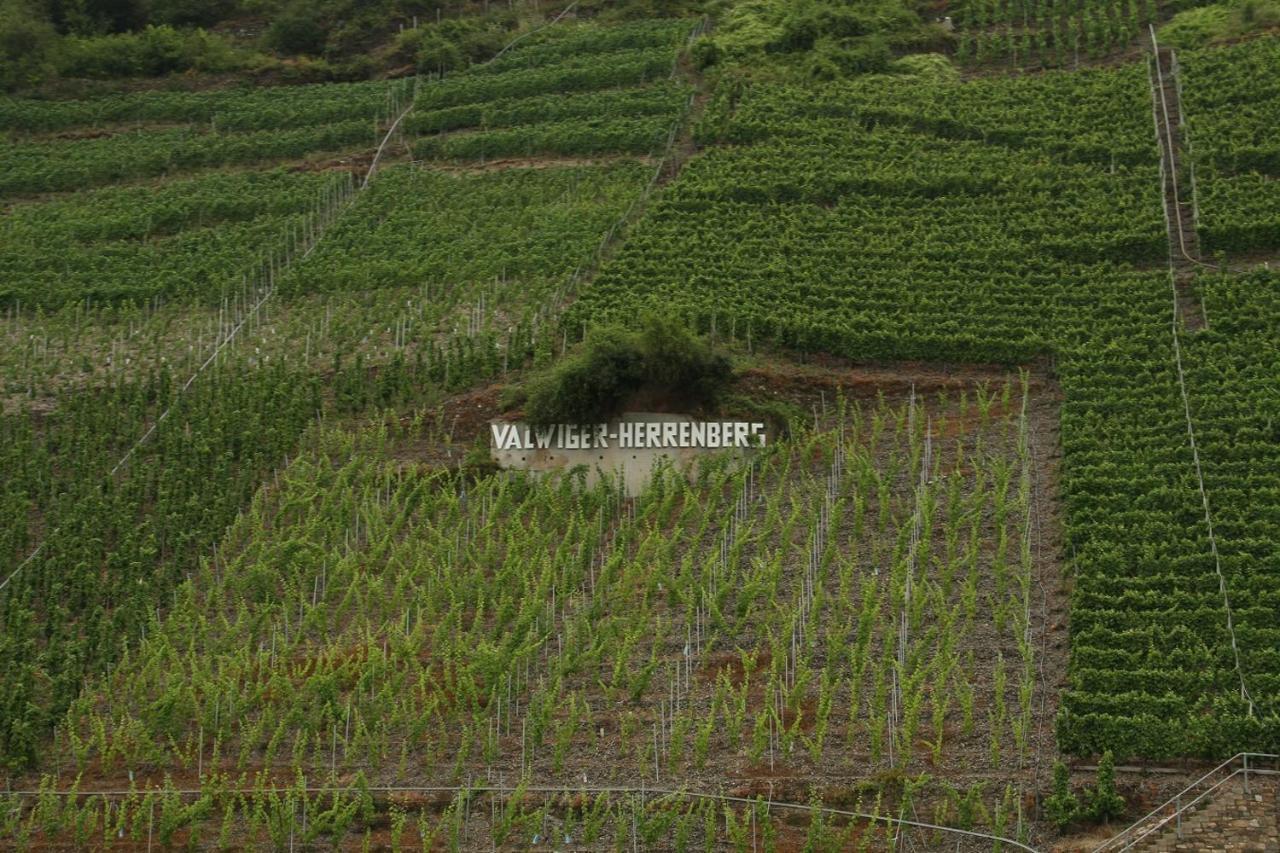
(26, 45)
(94, 17)
(192, 13)
(297, 29)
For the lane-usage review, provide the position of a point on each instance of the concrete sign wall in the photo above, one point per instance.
(630, 446)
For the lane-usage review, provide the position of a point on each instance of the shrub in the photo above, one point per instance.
(1061, 806)
(1104, 803)
(705, 53)
(1201, 26)
(150, 53)
(191, 13)
(614, 364)
(297, 29)
(26, 43)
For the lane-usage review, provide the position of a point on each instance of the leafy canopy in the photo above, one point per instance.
(661, 360)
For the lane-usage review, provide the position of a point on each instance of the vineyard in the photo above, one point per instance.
(573, 91)
(176, 134)
(1042, 33)
(1059, 254)
(711, 628)
(1017, 521)
(1231, 104)
(244, 109)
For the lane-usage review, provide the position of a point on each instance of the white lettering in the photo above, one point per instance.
(630, 435)
(698, 434)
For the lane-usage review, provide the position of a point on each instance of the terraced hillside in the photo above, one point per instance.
(867, 223)
(260, 588)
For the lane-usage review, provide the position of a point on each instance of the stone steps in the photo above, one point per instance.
(1231, 821)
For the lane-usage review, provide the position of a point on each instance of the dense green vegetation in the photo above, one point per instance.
(427, 247)
(1033, 33)
(46, 42)
(833, 232)
(1212, 23)
(661, 360)
(572, 90)
(48, 166)
(662, 98)
(241, 421)
(238, 108)
(232, 549)
(819, 39)
(193, 238)
(1232, 106)
(375, 615)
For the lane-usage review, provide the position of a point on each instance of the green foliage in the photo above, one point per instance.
(1061, 806)
(192, 13)
(1197, 27)
(235, 108)
(145, 533)
(589, 73)
(936, 68)
(657, 99)
(298, 29)
(1205, 25)
(1099, 804)
(26, 45)
(433, 52)
(583, 137)
(1103, 803)
(94, 17)
(757, 240)
(593, 384)
(151, 52)
(47, 166)
(824, 39)
(832, 59)
(557, 93)
(1231, 98)
(992, 34)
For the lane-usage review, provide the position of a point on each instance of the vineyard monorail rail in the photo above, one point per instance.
(1169, 140)
(1168, 164)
